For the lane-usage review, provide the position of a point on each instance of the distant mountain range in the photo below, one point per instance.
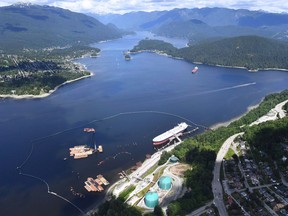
(205, 23)
(35, 26)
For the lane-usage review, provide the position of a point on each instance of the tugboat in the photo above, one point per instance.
(127, 56)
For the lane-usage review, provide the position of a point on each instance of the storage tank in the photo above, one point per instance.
(151, 199)
(165, 182)
(173, 159)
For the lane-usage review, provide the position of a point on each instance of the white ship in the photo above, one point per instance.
(176, 131)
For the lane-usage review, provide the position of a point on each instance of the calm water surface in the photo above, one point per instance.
(147, 83)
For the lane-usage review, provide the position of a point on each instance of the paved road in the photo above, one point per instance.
(216, 184)
(201, 210)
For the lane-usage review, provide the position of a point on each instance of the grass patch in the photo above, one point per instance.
(125, 194)
(229, 153)
(151, 170)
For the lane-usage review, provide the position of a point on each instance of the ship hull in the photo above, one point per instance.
(169, 135)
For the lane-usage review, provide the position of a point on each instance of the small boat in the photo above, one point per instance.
(127, 57)
(100, 148)
(195, 70)
(89, 130)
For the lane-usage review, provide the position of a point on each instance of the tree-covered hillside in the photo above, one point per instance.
(251, 52)
(35, 26)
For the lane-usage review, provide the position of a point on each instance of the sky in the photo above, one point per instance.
(125, 6)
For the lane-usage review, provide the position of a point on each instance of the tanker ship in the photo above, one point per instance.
(170, 134)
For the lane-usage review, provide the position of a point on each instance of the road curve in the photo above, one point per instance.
(216, 184)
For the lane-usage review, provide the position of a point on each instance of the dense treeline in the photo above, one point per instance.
(200, 151)
(268, 136)
(267, 104)
(251, 52)
(198, 180)
(116, 207)
(155, 45)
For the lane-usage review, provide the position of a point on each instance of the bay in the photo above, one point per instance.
(128, 103)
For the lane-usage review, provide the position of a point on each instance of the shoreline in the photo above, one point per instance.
(45, 94)
(214, 65)
(226, 123)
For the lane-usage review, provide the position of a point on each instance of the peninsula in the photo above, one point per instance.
(250, 52)
(38, 73)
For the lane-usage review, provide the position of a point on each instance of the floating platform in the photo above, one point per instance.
(82, 151)
(95, 184)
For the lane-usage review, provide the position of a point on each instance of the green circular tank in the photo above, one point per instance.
(173, 159)
(165, 182)
(151, 199)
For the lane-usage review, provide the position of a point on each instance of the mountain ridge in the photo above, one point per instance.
(223, 22)
(35, 26)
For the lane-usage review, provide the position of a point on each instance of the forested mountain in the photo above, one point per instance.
(35, 26)
(198, 24)
(251, 52)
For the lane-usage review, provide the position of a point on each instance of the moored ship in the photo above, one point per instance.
(170, 134)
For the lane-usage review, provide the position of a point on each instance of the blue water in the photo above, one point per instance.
(149, 82)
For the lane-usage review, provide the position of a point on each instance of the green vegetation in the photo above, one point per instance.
(268, 137)
(164, 157)
(157, 212)
(125, 194)
(37, 72)
(154, 45)
(151, 170)
(229, 154)
(251, 52)
(200, 152)
(285, 107)
(116, 207)
(36, 26)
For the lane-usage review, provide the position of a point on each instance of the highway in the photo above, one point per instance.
(216, 184)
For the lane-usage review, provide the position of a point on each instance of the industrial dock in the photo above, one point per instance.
(95, 184)
(83, 151)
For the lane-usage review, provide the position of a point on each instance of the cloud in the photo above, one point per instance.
(124, 6)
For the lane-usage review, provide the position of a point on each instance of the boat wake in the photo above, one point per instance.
(226, 88)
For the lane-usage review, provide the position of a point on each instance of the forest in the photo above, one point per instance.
(250, 52)
(200, 152)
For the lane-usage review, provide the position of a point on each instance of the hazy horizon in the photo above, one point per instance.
(121, 6)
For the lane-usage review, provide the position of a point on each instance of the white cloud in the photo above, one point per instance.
(123, 6)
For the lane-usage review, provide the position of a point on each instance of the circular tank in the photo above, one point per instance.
(165, 182)
(173, 159)
(151, 199)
